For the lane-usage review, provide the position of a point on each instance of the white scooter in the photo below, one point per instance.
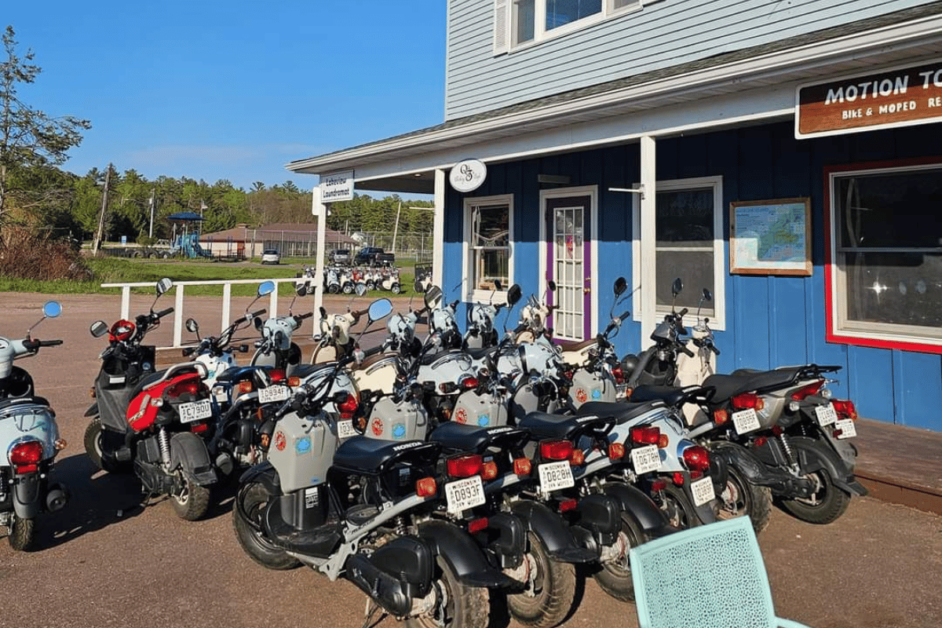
(30, 439)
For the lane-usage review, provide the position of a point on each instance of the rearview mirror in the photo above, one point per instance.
(266, 288)
(707, 295)
(620, 286)
(360, 289)
(163, 286)
(498, 286)
(98, 329)
(677, 287)
(514, 294)
(380, 309)
(52, 309)
(417, 287)
(552, 285)
(301, 289)
(192, 326)
(433, 296)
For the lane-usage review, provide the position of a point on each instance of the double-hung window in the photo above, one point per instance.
(689, 245)
(487, 246)
(886, 255)
(531, 21)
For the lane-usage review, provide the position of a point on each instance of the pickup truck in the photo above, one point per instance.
(368, 254)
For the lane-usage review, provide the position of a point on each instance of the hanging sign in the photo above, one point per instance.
(901, 97)
(337, 186)
(467, 175)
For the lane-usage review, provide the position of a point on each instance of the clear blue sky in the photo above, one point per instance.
(232, 90)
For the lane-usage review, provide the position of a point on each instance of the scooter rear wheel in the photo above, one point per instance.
(826, 505)
(191, 501)
(615, 576)
(744, 498)
(22, 534)
(460, 606)
(551, 589)
(94, 435)
(678, 508)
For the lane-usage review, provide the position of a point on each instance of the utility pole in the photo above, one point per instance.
(396, 228)
(101, 216)
(153, 202)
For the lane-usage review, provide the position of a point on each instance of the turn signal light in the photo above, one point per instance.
(245, 387)
(25, 457)
(569, 504)
(577, 457)
(761, 441)
(678, 478)
(477, 525)
(265, 441)
(468, 382)
(294, 382)
(746, 401)
(426, 487)
(60, 444)
(522, 466)
(663, 441)
(616, 451)
(645, 435)
(464, 466)
(807, 391)
(277, 376)
(555, 449)
(489, 470)
(720, 416)
(845, 409)
(697, 458)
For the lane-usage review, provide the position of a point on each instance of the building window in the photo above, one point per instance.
(488, 245)
(689, 245)
(531, 21)
(886, 249)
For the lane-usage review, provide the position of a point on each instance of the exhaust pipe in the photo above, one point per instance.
(57, 497)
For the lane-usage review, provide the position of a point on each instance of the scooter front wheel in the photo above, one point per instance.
(22, 534)
(251, 503)
(190, 500)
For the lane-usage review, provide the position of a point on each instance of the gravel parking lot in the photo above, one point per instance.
(107, 561)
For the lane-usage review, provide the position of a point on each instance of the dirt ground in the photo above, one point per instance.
(107, 561)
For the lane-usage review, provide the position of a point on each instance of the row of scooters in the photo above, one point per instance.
(434, 473)
(344, 279)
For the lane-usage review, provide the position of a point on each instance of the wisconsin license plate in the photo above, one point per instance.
(463, 494)
(702, 491)
(746, 421)
(645, 459)
(195, 411)
(826, 415)
(847, 428)
(345, 429)
(272, 394)
(556, 475)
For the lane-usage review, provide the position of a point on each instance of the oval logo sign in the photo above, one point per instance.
(467, 175)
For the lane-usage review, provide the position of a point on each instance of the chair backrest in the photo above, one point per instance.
(710, 576)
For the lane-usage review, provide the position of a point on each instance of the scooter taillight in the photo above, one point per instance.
(468, 382)
(464, 466)
(348, 407)
(806, 391)
(619, 375)
(25, 457)
(746, 401)
(555, 449)
(645, 435)
(277, 376)
(188, 387)
(697, 458)
(845, 409)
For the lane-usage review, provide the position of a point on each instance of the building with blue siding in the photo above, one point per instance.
(784, 155)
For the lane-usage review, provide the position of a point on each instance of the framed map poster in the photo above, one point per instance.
(770, 237)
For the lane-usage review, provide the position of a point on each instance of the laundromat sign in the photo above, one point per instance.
(902, 97)
(337, 186)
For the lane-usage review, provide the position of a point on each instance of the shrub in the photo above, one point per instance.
(24, 255)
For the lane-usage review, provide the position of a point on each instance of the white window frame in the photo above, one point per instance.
(470, 293)
(718, 318)
(504, 13)
(853, 329)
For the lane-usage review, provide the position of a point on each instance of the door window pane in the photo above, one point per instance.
(685, 241)
(490, 246)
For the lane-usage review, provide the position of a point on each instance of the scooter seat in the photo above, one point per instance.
(303, 371)
(571, 345)
(371, 455)
(461, 437)
(234, 374)
(729, 385)
(477, 354)
(430, 358)
(671, 395)
(544, 425)
(32, 401)
(620, 411)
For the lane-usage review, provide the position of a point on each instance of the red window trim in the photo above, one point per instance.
(830, 308)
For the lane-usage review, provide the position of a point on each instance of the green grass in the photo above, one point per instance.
(121, 270)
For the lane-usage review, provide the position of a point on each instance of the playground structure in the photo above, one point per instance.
(185, 238)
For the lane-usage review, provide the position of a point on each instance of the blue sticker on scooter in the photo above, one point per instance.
(302, 445)
(596, 394)
(399, 431)
(484, 420)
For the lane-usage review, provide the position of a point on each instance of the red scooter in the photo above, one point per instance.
(151, 422)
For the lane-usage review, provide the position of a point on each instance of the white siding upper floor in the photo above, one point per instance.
(485, 71)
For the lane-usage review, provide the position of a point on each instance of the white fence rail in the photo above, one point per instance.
(178, 308)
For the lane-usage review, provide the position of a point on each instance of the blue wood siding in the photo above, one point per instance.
(771, 321)
(668, 33)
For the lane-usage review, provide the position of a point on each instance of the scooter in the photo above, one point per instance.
(152, 422)
(276, 347)
(30, 437)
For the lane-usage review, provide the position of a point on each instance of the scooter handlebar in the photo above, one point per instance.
(686, 351)
(258, 313)
(714, 349)
(163, 313)
(301, 317)
(49, 343)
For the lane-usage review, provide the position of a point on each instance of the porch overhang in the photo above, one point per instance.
(749, 86)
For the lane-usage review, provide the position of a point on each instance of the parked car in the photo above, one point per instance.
(367, 255)
(340, 256)
(271, 256)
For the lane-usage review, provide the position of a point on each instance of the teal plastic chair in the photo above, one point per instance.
(711, 576)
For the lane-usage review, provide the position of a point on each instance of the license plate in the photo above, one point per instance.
(702, 491)
(345, 429)
(556, 475)
(746, 421)
(847, 428)
(196, 411)
(272, 393)
(464, 494)
(826, 415)
(221, 395)
(645, 459)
